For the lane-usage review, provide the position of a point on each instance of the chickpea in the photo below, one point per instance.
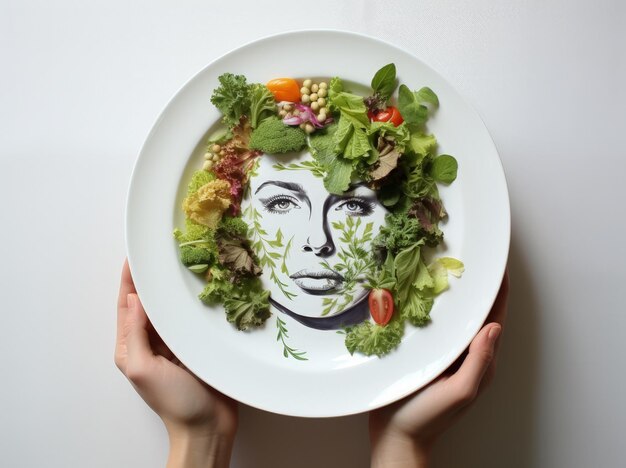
(208, 156)
(323, 110)
(305, 98)
(321, 101)
(302, 125)
(282, 113)
(304, 90)
(288, 107)
(216, 157)
(309, 128)
(313, 97)
(323, 85)
(307, 83)
(207, 165)
(321, 116)
(314, 88)
(222, 153)
(322, 92)
(216, 148)
(315, 106)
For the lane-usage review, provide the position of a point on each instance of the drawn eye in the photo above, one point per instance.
(356, 207)
(280, 204)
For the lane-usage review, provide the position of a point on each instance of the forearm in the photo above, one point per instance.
(397, 451)
(199, 452)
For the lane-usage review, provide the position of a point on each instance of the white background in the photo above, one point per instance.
(80, 86)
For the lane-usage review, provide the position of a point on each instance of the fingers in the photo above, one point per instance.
(140, 357)
(499, 308)
(465, 383)
(126, 286)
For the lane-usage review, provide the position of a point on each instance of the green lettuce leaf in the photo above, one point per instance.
(371, 339)
(439, 270)
(249, 310)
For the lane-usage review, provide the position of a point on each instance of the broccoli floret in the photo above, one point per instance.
(273, 136)
(190, 255)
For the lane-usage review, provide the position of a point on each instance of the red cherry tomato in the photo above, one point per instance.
(381, 305)
(391, 114)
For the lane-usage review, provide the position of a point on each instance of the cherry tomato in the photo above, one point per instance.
(284, 89)
(391, 114)
(381, 305)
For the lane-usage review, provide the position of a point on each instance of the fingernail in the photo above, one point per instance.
(494, 333)
(131, 301)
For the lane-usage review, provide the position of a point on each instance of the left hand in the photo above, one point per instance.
(201, 422)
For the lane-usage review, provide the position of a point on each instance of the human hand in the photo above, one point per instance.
(402, 434)
(200, 421)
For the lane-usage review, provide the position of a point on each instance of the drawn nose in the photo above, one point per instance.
(324, 250)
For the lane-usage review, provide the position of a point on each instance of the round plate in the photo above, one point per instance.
(250, 366)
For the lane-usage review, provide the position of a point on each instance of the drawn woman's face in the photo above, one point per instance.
(313, 246)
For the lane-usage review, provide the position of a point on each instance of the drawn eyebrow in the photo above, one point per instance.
(286, 185)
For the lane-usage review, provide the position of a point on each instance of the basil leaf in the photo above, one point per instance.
(444, 169)
(384, 81)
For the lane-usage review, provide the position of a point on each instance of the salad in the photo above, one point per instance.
(371, 154)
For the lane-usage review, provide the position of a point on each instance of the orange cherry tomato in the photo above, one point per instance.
(381, 306)
(391, 114)
(284, 89)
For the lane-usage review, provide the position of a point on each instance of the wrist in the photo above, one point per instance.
(395, 450)
(198, 449)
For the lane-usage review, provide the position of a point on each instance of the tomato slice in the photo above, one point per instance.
(390, 114)
(284, 89)
(381, 305)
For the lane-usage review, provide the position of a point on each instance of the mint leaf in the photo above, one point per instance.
(444, 169)
(427, 95)
(410, 108)
(384, 81)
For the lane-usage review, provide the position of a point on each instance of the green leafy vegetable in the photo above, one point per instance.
(338, 170)
(351, 135)
(410, 108)
(232, 98)
(262, 104)
(371, 339)
(384, 81)
(247, 310)
(407, 270)
(417, 309)
(422, 144)
(219, 287)
(444, 168)
(439, 270)
(273, 136)
(236, 255)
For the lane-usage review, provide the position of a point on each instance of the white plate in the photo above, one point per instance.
(249, 366)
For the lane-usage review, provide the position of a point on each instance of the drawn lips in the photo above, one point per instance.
(317, 281)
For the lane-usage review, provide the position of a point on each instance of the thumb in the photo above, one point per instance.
(140, 355)
(469, 376)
